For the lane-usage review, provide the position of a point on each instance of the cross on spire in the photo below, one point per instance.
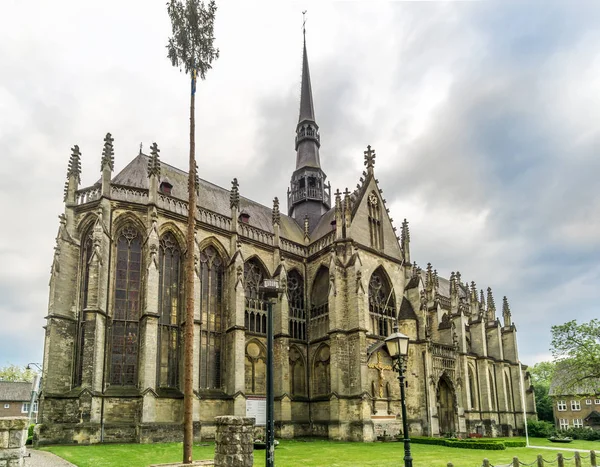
(304, 22)
(369, 157)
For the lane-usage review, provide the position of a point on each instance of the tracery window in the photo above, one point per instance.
(124, 332)
(87, 246)
(255, 369)
(321, 376)
(211, 315)
(169, 309)
(297, 313)
(375, 225)
(319, 310)
(382, 303)
(297, 372)
(256, 314)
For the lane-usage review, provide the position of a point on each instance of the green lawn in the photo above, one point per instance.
(313, 453)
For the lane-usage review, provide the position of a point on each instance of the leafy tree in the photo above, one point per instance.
(191, 48)
(580, 345)
(16, 373)
(541, 377)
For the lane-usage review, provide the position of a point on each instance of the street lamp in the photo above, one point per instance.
(37, 382)
(397, 346)
(269, 290)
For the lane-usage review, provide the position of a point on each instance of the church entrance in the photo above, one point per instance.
(445, 397)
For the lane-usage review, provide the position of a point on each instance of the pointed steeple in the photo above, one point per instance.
(506, 315)
(309, 194)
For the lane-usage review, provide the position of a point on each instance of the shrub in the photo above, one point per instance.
(586, 434)
(539, 429)
(487, 444)
(509, 443)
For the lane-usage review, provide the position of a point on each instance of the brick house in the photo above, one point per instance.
(574, 405)
(15, 398)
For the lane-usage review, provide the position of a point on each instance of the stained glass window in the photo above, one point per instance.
(382, 304)
(319, 309)
(211, 316)
(169, 309)
(256, 307)
(124, 333)
(86, 254)
(297, 314)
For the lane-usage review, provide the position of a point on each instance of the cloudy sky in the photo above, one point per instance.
(485, 118)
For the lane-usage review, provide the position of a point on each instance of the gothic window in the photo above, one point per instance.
(319, 310)
(212, 275)
(169, 309)
(297, 373)
(166, 187)
(382, 304)
(297, 314)
(256, 368)
(509, 398)
(256, 314)
(321, 378)
(86, 254)
(124, 335)
(375, 225)
(492, 391)
(473, 389)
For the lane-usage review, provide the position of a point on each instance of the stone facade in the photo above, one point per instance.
(112, 355)
(13, 433)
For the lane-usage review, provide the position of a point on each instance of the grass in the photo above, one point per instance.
(315, 453)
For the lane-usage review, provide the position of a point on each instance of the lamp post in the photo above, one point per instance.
(269, 290)
(37, 382)
(397, 346)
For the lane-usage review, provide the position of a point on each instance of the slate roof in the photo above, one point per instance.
(15, 391)
(211, 197)
(406, 310)
(324, 225)
(566, 382)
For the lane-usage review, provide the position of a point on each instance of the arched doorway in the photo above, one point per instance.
(445, 397)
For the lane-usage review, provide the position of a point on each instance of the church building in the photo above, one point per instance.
(113, 360)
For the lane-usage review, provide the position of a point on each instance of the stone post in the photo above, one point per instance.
(13, 433)
(593, 462)
(234, 441)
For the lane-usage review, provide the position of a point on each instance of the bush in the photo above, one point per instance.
(514, 443)
(586, 434)
(29, 441)
(487, 444)
(540, 429)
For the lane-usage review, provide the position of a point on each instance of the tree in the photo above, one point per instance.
(191, 48)
(579, 344)
(541, 377)
(16, 373)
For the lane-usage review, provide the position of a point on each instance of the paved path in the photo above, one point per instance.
(552, 448)
(44, 459)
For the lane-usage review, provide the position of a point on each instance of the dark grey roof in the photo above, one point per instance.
(566, 381)
(324, 225)
(15, 391)
(211, 197)
(406, 310)
(307, 110)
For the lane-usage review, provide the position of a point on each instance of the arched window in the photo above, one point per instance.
(297, 372)
(256, 315)
(169, 309)
(473, 389)
(319, 309)
(87, 246)
(382, 303)
(297, 314)
(211, 316)
(509, 398)
(492, 391)
(321, 378)
(256, 368)
(375, 226)
(126, 313)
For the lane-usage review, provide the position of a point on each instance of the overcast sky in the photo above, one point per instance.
(485, 118)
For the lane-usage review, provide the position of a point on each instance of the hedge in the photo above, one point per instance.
(485, 444)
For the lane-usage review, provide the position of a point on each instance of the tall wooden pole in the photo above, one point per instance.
(188, 359)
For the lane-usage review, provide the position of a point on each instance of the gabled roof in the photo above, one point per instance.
(406, 310)
(15, 391)
(595, 415)
(211, 197)
(567, 382)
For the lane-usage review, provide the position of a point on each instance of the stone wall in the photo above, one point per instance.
(13, 434)
(234, 442)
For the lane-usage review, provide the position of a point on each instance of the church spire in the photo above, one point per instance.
(309, 195)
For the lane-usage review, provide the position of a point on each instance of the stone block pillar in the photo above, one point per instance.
(234, 441)
(13, 434)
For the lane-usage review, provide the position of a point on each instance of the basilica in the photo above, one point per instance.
(113, 355)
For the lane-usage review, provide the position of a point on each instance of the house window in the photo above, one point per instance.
(588, 402)
(575, 405)
(597, 402)
(25, 407)
(563, 423)
(7, 406)
(561, 406)
(578, 423)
